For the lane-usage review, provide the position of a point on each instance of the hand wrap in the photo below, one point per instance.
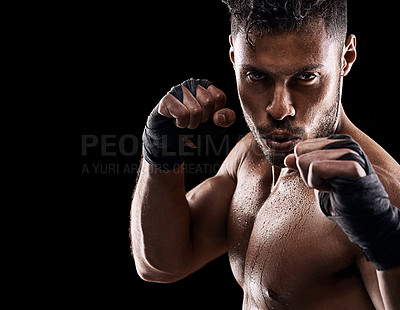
(363, 210)
(163, 145)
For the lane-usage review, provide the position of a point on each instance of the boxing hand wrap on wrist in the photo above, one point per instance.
(163, 142)
(362, 209)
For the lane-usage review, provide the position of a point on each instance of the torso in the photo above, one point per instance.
(283, 251)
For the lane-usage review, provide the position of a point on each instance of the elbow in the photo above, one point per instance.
(146, 274)
(151, 268)
(150, 274)
(155, 276)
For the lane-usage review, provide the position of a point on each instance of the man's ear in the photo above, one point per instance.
(231, 50)
(349, 54)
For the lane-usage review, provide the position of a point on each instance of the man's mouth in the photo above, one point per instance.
(281, 141)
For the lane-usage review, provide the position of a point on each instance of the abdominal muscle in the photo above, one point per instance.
(283, 251)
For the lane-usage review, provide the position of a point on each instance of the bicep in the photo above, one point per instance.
(209, 206)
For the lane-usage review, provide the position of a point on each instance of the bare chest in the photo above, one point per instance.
(279, 241)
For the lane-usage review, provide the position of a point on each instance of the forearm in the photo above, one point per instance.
(167, 236)
(389, 284)
(160, 224)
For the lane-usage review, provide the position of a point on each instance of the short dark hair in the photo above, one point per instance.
(266, 16)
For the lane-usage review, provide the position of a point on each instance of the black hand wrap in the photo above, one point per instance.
(363, 210)
(163, 145)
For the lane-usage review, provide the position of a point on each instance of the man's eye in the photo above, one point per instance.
(306, 76)
(255, 76)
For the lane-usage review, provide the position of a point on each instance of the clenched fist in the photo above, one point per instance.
(189, 113)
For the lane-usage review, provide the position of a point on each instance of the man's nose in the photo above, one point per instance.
(280, 105)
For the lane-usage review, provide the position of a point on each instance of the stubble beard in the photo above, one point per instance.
(324, 128)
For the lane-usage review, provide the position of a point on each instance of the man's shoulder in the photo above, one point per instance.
(385, 166)
(246, 153)
(377, 155)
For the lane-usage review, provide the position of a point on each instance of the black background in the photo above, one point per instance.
(120, 60)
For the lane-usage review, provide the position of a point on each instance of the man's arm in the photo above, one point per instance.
(383, 286)
(367, 214)
(174, 234)
(387, 282)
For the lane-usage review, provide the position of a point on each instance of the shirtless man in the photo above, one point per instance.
(304, 218)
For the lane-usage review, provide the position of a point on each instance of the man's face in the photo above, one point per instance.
(289, 86)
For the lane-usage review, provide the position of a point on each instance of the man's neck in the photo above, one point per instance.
(344, 125)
